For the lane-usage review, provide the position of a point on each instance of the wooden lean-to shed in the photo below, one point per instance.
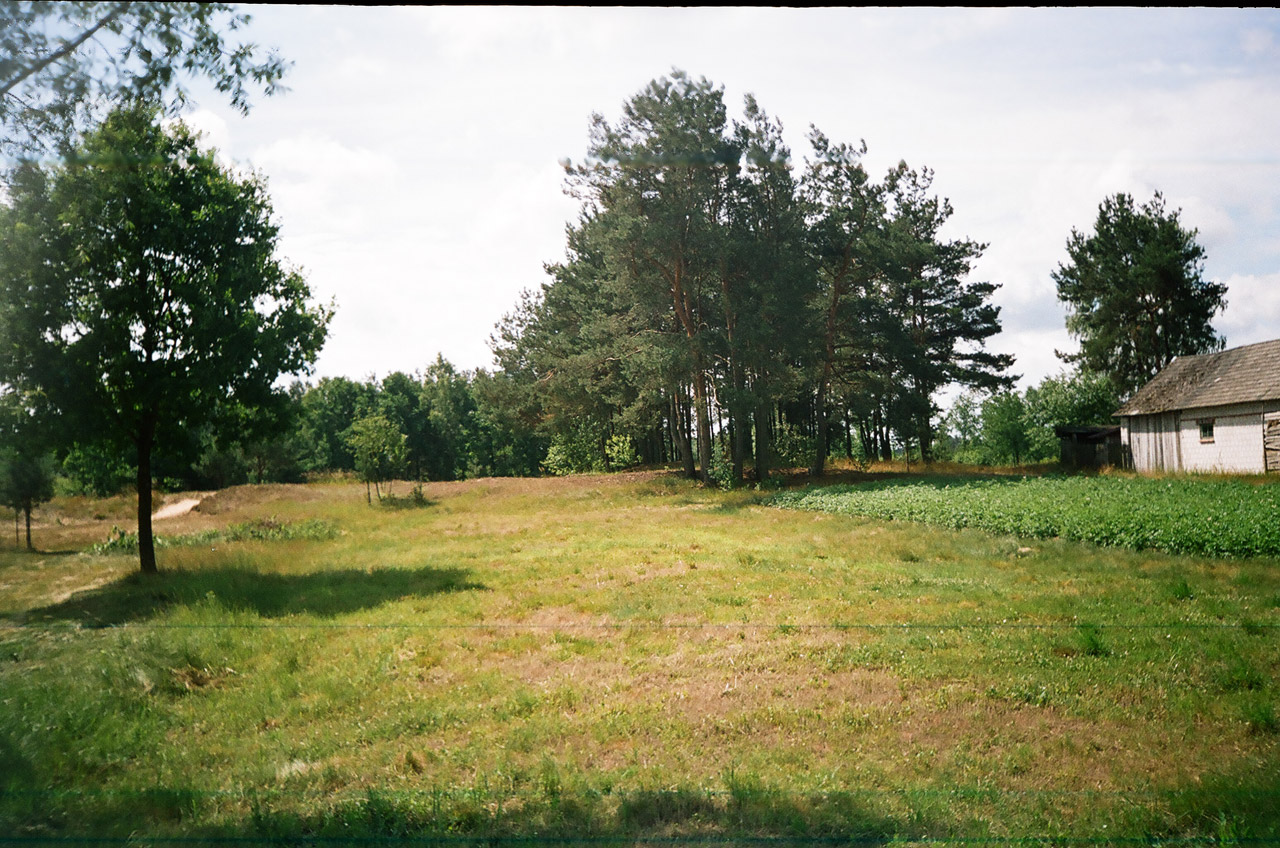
(1089, 447)
(1212, 412)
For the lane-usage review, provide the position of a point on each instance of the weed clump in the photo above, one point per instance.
(270, 529)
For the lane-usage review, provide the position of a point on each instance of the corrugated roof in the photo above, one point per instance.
(1241, 375)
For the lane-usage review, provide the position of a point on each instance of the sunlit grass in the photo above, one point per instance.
(631, 657)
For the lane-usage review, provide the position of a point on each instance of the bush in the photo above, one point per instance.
(94, 470)
(574, 452)
(620, 452)
(792, 448)
(721, 471)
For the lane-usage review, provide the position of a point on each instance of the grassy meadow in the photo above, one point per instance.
(624, 659)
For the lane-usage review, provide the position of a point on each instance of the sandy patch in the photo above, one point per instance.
(173, 510)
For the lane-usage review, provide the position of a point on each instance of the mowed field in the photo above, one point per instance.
(625, 659)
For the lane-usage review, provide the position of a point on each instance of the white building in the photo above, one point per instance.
(1213, 412)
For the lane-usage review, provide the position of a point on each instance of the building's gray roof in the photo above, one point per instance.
(1246, 374)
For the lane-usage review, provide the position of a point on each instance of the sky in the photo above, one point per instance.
(415, 164)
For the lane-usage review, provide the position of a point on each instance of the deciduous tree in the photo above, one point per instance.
(1004, 427)
(26, 464)
(59, 62)
(379, 451)
(154, 300)
(1075, 399)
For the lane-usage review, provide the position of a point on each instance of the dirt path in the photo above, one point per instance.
(173, 510)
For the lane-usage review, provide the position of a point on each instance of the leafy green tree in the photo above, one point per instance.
(962, 427)
(97, 468)
(706, 290)
(844, 232)
(505, 442)
(60, 61)
(450, 409)
(1135, 292)
(398, 397)
(766, 293)
(379, 451)
(1004, 427)
(937, 320)
(329, 408)
(26, 467)
(156, 301)
(26, 481)
(1076, 399)
(899, 319)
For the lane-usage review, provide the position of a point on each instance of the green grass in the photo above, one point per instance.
(625, 659)
(1228, 518)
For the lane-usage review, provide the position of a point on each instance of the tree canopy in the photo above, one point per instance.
(379, 451)
(1135, 292)
(715, 301)
(152, 302)
(26, 462)
(61, 62)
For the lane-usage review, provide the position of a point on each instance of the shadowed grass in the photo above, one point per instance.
(326, 594)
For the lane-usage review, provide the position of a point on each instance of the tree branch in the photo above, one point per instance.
(67, 48)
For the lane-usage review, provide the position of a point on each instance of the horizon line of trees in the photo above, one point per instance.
(444, 424)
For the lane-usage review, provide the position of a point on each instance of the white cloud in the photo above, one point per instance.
(327, 188)
(213, 131)
(1253, 309)
(1257, 42)
(310, 155)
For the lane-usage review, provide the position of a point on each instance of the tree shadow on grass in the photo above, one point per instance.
(622, 817)
(138, 597)
(1240, 804)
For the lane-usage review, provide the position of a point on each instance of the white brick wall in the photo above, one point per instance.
(1236, 445)
(1237, 439)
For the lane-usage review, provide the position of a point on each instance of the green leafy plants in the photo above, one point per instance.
(258, 530)
(1189, 516)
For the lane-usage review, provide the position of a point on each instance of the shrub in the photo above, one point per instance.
(620, 452)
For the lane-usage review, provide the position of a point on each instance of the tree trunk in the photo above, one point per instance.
(764, 444)
(739, 425)
(704, 423)
(146, 543)
(27, 510)
(820, 440)
(680, 436)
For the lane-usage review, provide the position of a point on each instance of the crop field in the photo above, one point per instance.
(1181, 516)
(628, 659)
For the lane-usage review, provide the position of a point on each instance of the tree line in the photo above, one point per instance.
(715, 303)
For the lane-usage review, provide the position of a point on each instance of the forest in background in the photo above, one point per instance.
(721, 308)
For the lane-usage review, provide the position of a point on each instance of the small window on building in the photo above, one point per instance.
(1206, 430)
